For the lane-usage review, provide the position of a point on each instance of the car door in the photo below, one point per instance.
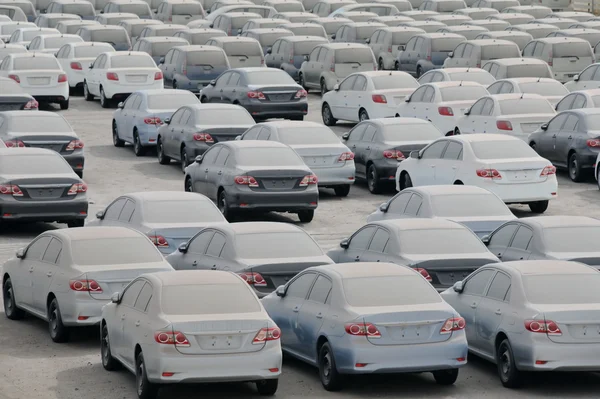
(500, 240)
(211, 260)
(519, 248)
(23, 280)
(310, 68)
(137, 324)
(45, 272)
(366, 145)
(190, 260)
(177, 134)
(273, 57)
(167, 67)
(93, 75)
(200, 179)
(230, 91)
(492, 308)
(216, 173)
(311, 315)
(358, 244)
(449, 164)
(127, 316)
(216, 94)
(124, 116)
(546, 144)
(457, 54)
(339, 105)
(411, 107)
(424, 172)
(354, 143)
(427, 108)
(376, 250)
(356, 99)
(112, 212)
(404, 57)
(170, 135)
(471, 123)
(133, 113)
(566, 139)
(587, 79)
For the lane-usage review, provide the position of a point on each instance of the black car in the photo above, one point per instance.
(13, 97)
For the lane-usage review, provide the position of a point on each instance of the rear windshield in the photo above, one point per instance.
(181, 212)
(304, 48)
(528, 71)
(36, 63)
(47, 124)
(187, 9)
(138, 9)
(110, 36)
(468, 205)
(416, 132)
(122, 250)
(162, 48)
(572, 50)
(201, 58)
(495, 52)
(312, 135)
(462, 93)
(83, 10)
(572, 239)
(38, 164)
(249, 49)
(502, 149)
(400, 38)
(478, 77)
(58, 42)
(219, 116)
(573, 288)
(276, 245)
(448, 241)
(394, 82)
(166, 31)
(131, 61)
(353, 56)
(525, 106)
(208, 299)
(389, 291)
(544, 88)
(269, 77)
(91, 51)
(268, 156)
(170, 100)
(445, 45)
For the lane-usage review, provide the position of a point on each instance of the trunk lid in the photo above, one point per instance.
(579, 323)
(13, 102)
(481, 226)
(405, 147)
(178, 234)
(321, 155)
(522, 170)
(588, 258)
(223, 133)
(395, 96)
(39, 78)
(278, 179)
(447, 269)
(43, 188)
(529, 123)
(50, 141)
(277, 93)
(114, 278)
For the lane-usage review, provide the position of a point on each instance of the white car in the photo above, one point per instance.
(75, 58)
(502, 164)
(441, 103)
(6, 49)
(8, 28)
(551, 89)
(589, 78)
(189, 327)
(114, 76)
(536, 11)
(40, 75)
(515, 114)
(476, 75)
(24, 36)
(52, 42)
(579, 16)
(518, 68)
(575, 100)
(367, 95)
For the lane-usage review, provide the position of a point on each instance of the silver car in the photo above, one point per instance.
(190, 327)
(531, 316)
(368, 318)
(66, 276)
(319, 147)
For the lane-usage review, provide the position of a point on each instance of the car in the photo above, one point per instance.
(329, 159)
(43, 129)
(474, 53)
(40, 75)
(295, 16)
(51, 20)
(74, 57)
(502, 164)
(13, 13)
(441, 103)
(215, 122)
(158, 46)
(267, 36)
(356, 16)
(362, 306)
(588, 78)
(323, 8)
(450, 19)
(83, 8)
(387, 44)
(524, 67)
(513, 18)
(6, 49)
(199, 36)
(8, 28)
(473, 207)
(391, 20)
(262, 23)
(114, 35)
(137, 7)
(24, 36)
(285, 5)
(115, 18)
(579, 16)
(442, 6)
(115, 75)
(560, 23)
(24, 5)
(265, 254)
(232, 22)
(51, 43)
(193, 67)
(429, 26)
(492, 25)
(427, 51)
(514, 114)
(551, 89)
(180, 11)
(540, 321)
(241, 51)
(139, 118)
(476, 75)
(263, 92)
(288, 53)
(161, 30)
(476, 13)
(357, 32)
(178, 332)
(304, 29)
(497, 4)
(74, 276)
(579, 99)
(135, 26)
(331, 24)
(536, 11)
(592, 36)
(537, 31)
(223, 3)
(367, 95)
(381, 9)
(256, 175)
(577, 154)
(13, 97)
(585, 25)
(520, 38)
(263, 11)
(72, 26)
(457, 252)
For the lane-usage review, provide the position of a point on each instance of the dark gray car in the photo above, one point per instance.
(288, 53)
(158, 46)
(193, 67)
(193, 129)
(255, 175)
(427, 51)
(264, 92)
(265, 254)
(570, 140)
(444, 252)
(13, 97)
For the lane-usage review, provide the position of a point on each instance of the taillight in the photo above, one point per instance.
(310, 179)
(159, 241)
(543, 326)
(171, 338)
(256, 94)
(74, 145)
(423, 273)
(267, 334)
(246, 181)
(77, 188)
(550, 58)
(15, 78)
(154, 120)
(291, 56)
(207, 138)
(301, 94)
(62, 78)
(14, 143)
(504, 125)
(594, 143)
(158, 76)
(85, 286)
(429, 55)
(184, 69)
(548, 170)
(11, 189)
(445, 111)
(378, 98)
(489, 174)
(389, 49)
(112, 76)
(363, 329)
(253, 278)
(332, 67)
(393, 154)
(32, 104)
(346, 156)
(76, 66)
(453, 324)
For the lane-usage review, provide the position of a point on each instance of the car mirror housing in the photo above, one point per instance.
(368, 40)
(414, 154)
(576, 78)
(212, 82)
(345, 136)
(407, 99)
(345, 243)
(544, 126)
(91, 66)
(306, 58)
(401, 47)
(100, 215)
(336, 87)
(167, 121)
(383, 207)
(280, 291)
(161, 60)
(198, 159)
(183, 247)
(458, 287)
(20, 253)
(269, 50)
(486, 239)
(120, 105)
(451, 54)
(468, 111)
(116, 297)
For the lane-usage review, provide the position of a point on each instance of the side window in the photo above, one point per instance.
(503, 236)
(216, 245)
(435, 150)
(362, 238)
(579, 102)
(426, 78)
(522, 238)
(379, 241)
(499, 287)
(494, 88)
(176, 118)
(570, 124)
(320, 290)
(53, 251)
(459, 51)
(417, 95)
(588, 73)
(36, 250)
(222, 81)
(478, 107)
(539, 50)
(488, 107)
(357, 133)
(566, 103)
(360, 84)
(131, 293)
(300, 286)
(235, 79)
(468, 51)
(420, 45)
(398, 204)
(264, 134)
(275, 48)
(453, 151)
(348, 83)
(369, 133)
(429, 94)
(528, 50)
(437, 77)
(137, 102)
(199, 244)
(114, 210)
(477, 283)
(507, 87)
(129, 102)
(556, 123)
(143, 298)
(185, 117)
(211, 155)
(127, 212)
(322, 55)
(410, 45)
(493, 69)
(413, 206)
(222, 158)
(62, 52)
(169, 56)
(252, 134)
(314, 54)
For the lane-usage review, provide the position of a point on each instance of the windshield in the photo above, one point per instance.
(394, 82)
(470, 76)
(110, 36)
(201, 58)
(448, 241)
(411, 132)
(529, 71)
(544, 88)
(83, 10)
(170, 100)
(269, 156)
(502, 149)
(92, 51)
(202, 211)
(296, 244)
(58, 42)
(463, 205)
(573, 49)
(462, 93)
(269, 77)
(353, 56)
(38, 164)
(36, 63)
(525, 106)
(49, 124)
(572, 239)
(311, 135)
(123, 250)
(207, 299)
(132, 61)
(389, 291)
(445, 45)
(573, 288)
(228, 116)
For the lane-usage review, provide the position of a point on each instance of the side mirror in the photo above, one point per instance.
(198, 159)
(167, 121)
(468, 111)
(306, 58)
(345, 136)
(544, 126)
(407, 99)
(183, 247)
(368, 40)
(20, 253)
(280, 291)
(414, 154)
(212, 82)
(120, 105)
(576, 78)
(239, 31)
(116, 297)
(451, 54)
(269, 50)
(333, 37)
(161, 60)
(486, 239)
(91, 66)
(345, 243)
(383, 207)
(238, 138)
(211, 25)
(458, 287)
(336, 87)
(100, 215)
(401, 47)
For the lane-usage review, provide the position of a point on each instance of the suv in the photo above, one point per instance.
(427, 51)
(193, 67)
(387, 43)
(475, 53)
(288, 53)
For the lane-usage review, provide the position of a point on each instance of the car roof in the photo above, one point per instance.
(82, 21)
(489, 42)
(102, 27)
(32, 54)
(98, 232)
(254, 144)
(366, 269)
(160, 26)
(229, 39)
(196, 277)
(262, 227)
(287, 123)
(260, 31)
(198, 47)
(453, 83)
(516, 96)
(542, 267)
(585, 111)
(362, 24)
(399, 121)
(240, 14)
(90, 44)
(166, 196)
(29, 114)
(340, 45)
(562, 39)
(439, 35)
(561, 221)
(479, 137)
(530, 80)
(517, 61)
(460, 69)
(589, 92)
(419, 224)
(162, 39)
(7, 152)
(450, 190)
(116, 53)
(304, 38)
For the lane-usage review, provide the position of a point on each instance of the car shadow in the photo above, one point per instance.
(26, 230)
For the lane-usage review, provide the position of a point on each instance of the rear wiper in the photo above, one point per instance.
(239, 55)
(352, 62)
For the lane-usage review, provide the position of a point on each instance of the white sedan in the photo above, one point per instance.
(551, 89)
(75, 58)
(589, 78)
(367, 95)
(476, 75)
(115, 75)
(24, 36)
(515, 114)
(40, 75)
(499, 163)
(441, 103)
(50, 43)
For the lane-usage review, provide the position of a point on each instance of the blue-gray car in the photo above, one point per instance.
(358, 318)
(288, 53)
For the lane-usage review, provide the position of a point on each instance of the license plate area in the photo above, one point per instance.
(278, 184)
(279, 97)
(136, 78)
(44, 193)
(220, 342)
(409, 333)
(38, 81)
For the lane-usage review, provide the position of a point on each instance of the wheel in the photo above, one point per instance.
(223, 205)
(538, 206)
(380, 65)
(406, 181)
(108, 361)
(342, 191)
(104, 102)
(189, 187)
(184, 160)
(117, 142)
(301, 82)
(79, 173)
(86, 93)
(419, 71)
(174, 85)
(363, 115)
(203, 99)
(267, 387)
(323, 87)
(64, 104)
(397, 66)
(10, 306)
(598, 178)
(58, 331)
(533, 146)
(306, 216)
(162, 158)
(373, 182)
(445, 377)
(507, 369)
(575, 170)
(76, 223)
(145, 389)
(138, 148)
(327, 116)
(330, 378)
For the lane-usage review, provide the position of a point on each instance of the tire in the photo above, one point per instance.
(301, 82)
(373, 183)
(363, 115)
(188, 186)
(445, 377)
(184, 160)
(162, 158)
(138, 149)
(419, 72)
(323, 87)
(342, 191)
(306, 216)
(174, 85)
(407, 181)
(598, 178)
(58, 332)
(203, 100)
(76, 223)
(267, 387)
(327, 115)
(456, 131)
(11, 310)
(509, 375)
(108, 361)
(380, 65)
(79, 173)
(331, 379)
(64, 104)
(145, 389)
(223, 205)
(533, 146)
(86, 93)
(104, 102)
(538, 206)
(397, 66)
(117, 142)
(576, 172)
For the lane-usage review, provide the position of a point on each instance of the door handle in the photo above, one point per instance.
(296, 309)
(214, 267)
(31, 269)
(219, 173)
(498, 312)
(49, 274)
(137, 323)
(195, 263)
(319, 315)
(474, 305)
(570, 138)
(122, 317)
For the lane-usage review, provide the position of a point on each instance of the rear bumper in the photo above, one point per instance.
(44, 211)
(77, 161)
(274, 201)
(277, 110)
(122, 91)
(523, 192)
(49, 94)
(587, 158)
(386, 169)
(147, 134)
(88, 309)
(558, 356)
(335, 176)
